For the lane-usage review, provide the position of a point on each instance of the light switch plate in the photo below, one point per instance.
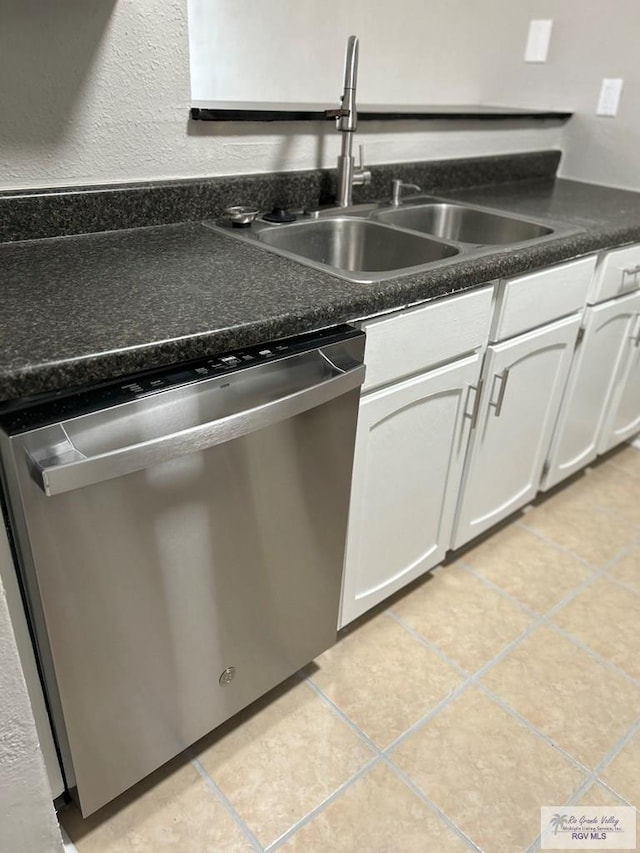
(537, 48)
(609, 100)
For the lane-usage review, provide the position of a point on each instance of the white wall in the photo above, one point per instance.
(590, 40)
(27, 819)
(440, 52)
(100, 93)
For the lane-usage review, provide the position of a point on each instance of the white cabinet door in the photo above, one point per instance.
(523, 383)
(410, 449)
(623, 415)
(595, 374)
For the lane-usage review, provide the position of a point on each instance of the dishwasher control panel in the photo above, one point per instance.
(64, 404)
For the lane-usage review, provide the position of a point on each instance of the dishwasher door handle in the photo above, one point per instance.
(54, 479)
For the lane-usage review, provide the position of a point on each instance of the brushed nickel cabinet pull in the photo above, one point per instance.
(504, 378)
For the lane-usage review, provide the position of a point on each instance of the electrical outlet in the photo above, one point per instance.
(537, 48)
(609, 100)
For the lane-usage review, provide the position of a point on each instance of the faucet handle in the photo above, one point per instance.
(361, 175)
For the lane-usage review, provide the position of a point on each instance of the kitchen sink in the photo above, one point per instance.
(376, 241)
(463, 224)
(356, 246)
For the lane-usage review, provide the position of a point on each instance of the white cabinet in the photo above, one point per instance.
(523, 382)
(410, 449)
(599, 399)
(617, 274)
(623, 414)
(423, 366)
(455, 433)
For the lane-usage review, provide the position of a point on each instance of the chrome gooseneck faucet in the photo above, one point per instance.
(349, 175)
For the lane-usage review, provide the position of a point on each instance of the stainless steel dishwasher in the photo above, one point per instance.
(180, 538)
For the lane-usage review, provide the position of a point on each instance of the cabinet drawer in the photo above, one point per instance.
(414, 340)
(617, 273)
(542, 297)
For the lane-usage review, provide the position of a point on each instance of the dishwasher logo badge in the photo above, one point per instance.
(227, 676)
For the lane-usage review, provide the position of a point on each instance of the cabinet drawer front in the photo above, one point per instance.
(419, 338)
(617, 273)
(542, 297)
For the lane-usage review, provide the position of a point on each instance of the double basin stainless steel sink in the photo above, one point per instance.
(374, 242)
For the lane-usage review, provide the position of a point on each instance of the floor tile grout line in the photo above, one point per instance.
(610, 665)
(619, 555)
(426, 718)
(593, 778)
(383, 753)
(224, 802)
(613, 791)
(337, 710)
(617, 748)
(331, 798)
(566, 598)
(469, 568)
(595, 504)
(417, 790)
(623, 584)
(474, 679)
(547, 619)
(594, 775)
(531, 727)
(469, 679)
(444, 657)
(485, 666)
(549, 541)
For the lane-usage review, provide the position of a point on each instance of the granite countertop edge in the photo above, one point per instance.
(330, 301)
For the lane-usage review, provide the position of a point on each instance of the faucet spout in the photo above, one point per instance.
(346, 122)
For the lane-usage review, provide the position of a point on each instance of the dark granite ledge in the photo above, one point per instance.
(373, 112)
(29, 215)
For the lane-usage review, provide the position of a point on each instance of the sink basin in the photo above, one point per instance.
(463, 224)
(356, 246)
(369, 243)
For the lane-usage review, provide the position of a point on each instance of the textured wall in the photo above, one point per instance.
(458, 51)
(100, 93)
(27, 818)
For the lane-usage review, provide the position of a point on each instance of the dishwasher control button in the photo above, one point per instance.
(227, 676)
(265, 352)
(230, 359)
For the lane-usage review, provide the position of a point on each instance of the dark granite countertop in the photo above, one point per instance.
(78, 309)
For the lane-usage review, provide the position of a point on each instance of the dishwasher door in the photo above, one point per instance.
(182, 555)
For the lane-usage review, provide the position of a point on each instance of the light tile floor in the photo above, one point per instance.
(506, 680)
